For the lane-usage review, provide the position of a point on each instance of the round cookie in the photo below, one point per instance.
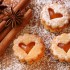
(29, 48)
(55, 17)
(60, 47)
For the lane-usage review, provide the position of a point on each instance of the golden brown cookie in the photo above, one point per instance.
(55, 17)
(60, 47)
(29, 48)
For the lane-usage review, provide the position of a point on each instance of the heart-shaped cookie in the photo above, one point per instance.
(60, 47)
(28, 48)
(54, 15)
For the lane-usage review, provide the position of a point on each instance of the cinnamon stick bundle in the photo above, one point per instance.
(22, 4)
(12, 34)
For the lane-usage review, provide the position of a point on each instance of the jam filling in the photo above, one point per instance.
(66, 47)
(28, 47)
(53, 14)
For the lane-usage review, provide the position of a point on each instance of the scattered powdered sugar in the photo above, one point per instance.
(9, 62)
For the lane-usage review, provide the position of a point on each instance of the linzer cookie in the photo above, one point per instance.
(55, 17)
(60, 47)
(28, 48)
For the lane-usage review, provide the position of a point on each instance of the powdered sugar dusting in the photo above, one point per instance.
(10, 62)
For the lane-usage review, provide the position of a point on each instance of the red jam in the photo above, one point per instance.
(28, 47)
(66, 47)
(53, 14)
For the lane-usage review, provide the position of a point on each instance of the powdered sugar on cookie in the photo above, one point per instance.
(56, 22)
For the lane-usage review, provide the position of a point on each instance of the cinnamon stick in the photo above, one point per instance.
(1, 16)
(12, 34)
(2, 25)
(4, 33)
(22, 4)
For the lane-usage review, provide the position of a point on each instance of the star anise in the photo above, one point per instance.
(14, 19)
(2, 7)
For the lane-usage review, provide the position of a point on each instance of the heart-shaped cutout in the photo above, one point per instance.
(28, 47)
(53, 14)
(66, 47)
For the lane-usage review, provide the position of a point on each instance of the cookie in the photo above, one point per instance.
(55, 17)
(60, 47)
(29, 48)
